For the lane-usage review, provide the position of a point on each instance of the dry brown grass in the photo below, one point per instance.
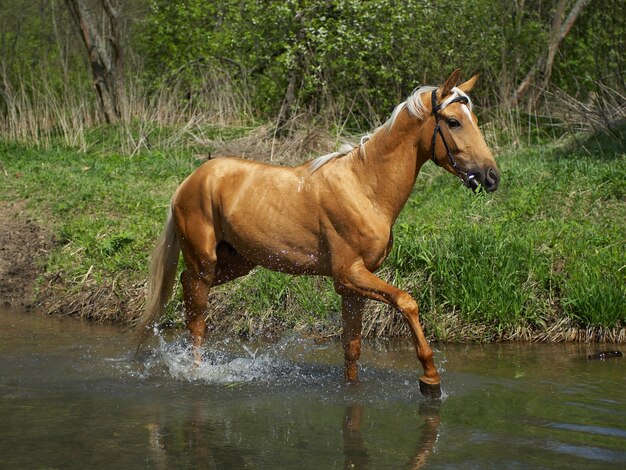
(40, 113)
(382, 322)
(108, 302)
(115, 302)
(305, 141)
(601, 111)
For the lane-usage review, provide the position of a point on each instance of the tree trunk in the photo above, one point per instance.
(294, 77)
(105, 58)
(538, 77)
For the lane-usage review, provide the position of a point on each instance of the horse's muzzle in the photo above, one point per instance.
(488, 180)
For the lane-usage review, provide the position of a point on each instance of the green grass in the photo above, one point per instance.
(105, 211)
(550, 243)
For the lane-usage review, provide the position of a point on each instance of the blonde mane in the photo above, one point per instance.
(319, 162)
(414, 104)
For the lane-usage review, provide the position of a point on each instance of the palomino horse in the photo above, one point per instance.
(330, 217)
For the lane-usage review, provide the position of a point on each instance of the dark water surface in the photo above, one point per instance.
(73, 395)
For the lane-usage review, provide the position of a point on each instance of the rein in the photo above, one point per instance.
(436, 108)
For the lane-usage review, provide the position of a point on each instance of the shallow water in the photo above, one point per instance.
(74, 395)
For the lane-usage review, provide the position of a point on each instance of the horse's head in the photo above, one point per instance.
(456, 142)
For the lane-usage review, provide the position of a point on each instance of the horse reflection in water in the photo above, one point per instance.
(197, 446)
(331, 217)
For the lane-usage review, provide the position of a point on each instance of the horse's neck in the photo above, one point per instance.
(391, 163)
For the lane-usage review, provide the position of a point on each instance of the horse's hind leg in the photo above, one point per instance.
(195, 295)
(352, 316)
(199, 252)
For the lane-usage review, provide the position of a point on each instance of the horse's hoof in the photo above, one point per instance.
(430, 390)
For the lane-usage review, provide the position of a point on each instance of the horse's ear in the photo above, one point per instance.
(450, 83)
(468, 85)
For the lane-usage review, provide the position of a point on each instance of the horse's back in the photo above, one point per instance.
(266, 212)
(226, 179)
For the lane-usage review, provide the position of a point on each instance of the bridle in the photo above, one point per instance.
(436, 108)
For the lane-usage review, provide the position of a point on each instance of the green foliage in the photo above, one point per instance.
(35, 41)
(347, 61)
(592, 52)
(357, 57)
(292, 299)
(241, 40)
(265, 292)
(353, 60)
(593, 286)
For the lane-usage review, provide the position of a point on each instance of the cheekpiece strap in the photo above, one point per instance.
(436, 108)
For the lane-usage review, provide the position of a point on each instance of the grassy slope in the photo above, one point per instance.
(541, 256)
(549, 244)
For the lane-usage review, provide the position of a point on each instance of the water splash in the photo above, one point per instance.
(231, 361)
(219, 366)
(293, 363)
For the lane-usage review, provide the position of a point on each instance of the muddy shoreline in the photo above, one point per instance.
(23, 244)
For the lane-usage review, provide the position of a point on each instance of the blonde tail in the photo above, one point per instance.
(161, 278)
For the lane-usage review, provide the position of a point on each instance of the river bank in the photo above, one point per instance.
(550, 242)
(22, 244)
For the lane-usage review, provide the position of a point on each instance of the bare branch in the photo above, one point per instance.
(538, 76)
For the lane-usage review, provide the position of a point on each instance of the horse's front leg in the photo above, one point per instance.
(352, 315)
(360, 280)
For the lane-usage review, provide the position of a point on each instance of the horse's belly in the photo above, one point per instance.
(279, 256)
(284, 243)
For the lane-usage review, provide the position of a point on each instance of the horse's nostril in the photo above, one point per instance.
(492, 179)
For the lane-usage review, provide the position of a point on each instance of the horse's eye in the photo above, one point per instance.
(453, 123)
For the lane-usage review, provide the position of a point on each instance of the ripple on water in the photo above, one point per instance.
(587, 429)
(589, 453)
